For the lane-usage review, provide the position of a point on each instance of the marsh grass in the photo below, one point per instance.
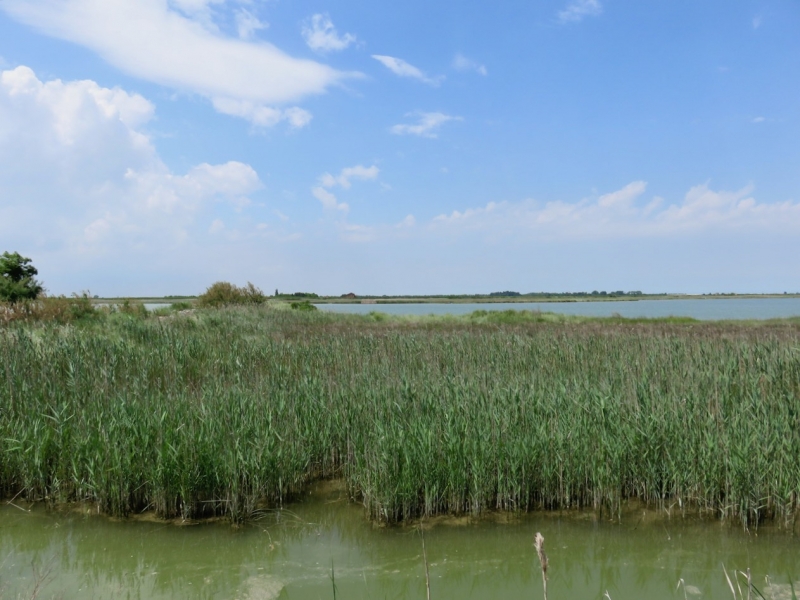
(226, 411)
(58, 309)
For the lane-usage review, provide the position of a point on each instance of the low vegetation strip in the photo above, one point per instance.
(224, 411)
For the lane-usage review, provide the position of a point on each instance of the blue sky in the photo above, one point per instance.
(157, 146)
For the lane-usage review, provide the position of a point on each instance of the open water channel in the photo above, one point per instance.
(696, 308)
(293, 553)
(308, 547)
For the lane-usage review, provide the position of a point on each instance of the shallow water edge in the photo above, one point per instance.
(303, 549)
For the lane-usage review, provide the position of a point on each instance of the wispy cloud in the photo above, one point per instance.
(579, 10)
(759, 120)
(328, 199)
(247, 24)
(343, 180)
(360, 233)
(261, 115)
(623, 197)
(321, 36)
(357, 233)
(217, 226)
(757, 22)
(201, 11)
(163, 43)
(358, 172)
(462, 63)
(409, 221)
(403, 69)
(428, 124)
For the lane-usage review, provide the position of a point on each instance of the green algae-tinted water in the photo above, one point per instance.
(291, 553)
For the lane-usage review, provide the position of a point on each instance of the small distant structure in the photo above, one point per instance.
(350, 296)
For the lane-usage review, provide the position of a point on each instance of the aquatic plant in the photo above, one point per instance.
(223, 411)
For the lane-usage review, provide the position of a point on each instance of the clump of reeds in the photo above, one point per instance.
(57, 309)
(223, 410)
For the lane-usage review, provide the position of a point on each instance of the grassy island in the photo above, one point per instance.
(231, 410)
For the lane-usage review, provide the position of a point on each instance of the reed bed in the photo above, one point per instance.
(227, 411)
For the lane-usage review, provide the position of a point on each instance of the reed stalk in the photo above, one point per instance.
(538, 543)
(425, 561)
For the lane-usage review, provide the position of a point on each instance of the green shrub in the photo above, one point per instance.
(17, 281)
(305, 305)
(223, 293)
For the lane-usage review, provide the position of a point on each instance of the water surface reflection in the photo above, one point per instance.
(291, 554)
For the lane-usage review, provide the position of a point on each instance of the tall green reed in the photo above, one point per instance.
(226, 411)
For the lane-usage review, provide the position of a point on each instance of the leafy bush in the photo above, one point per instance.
(223, 293)
(305, 305)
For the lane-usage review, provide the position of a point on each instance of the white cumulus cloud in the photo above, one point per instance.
(625, 214)
(172, 44)
(81, 177)
(403, 69)
(580, 9)
(427, 124)
(321, 36)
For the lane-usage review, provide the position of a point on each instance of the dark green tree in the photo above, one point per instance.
(17, 278)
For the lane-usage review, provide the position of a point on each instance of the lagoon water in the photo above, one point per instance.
(292, 553)
(703, 309)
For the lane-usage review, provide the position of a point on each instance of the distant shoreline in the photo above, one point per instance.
(536, 298)
(477, 299)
